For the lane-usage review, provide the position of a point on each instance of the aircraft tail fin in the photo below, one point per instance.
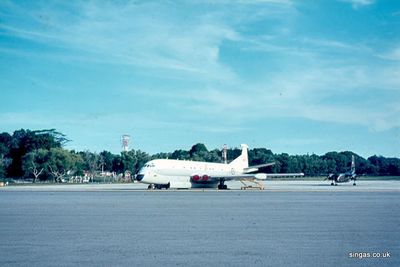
(242, 161)
(353, 164)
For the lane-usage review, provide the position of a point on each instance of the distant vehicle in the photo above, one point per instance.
(182, 174)
(344, 177)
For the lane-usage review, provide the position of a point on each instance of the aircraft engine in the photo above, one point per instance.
(205, 177)
(200, 178)
(195, 178)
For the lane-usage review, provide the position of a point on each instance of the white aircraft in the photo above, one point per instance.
(167, 173)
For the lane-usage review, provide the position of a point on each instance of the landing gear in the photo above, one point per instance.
(222, 185)
(332, 183)
(158, 186)
(354, 183)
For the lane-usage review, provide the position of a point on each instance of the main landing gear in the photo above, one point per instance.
(158, 186)
(222, 185)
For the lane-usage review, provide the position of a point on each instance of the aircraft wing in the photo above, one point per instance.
(255, 168)
(256, 176)
(261, 176)
(217, 178)
(280, 175)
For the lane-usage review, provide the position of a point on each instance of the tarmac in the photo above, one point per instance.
(290, 223)
(269, 185)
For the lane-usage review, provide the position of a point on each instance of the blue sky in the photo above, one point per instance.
(292, 76)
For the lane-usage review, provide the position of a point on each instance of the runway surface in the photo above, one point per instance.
(270, 185)
(99, 226)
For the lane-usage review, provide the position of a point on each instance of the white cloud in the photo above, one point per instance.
(359, 3)
(393, 54)
(143, 35)
(153, 36)
(344, 95)
(252, 2)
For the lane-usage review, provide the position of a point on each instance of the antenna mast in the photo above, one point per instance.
(225, 154)
(125, 142)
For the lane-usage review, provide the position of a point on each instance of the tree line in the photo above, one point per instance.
(40, 155)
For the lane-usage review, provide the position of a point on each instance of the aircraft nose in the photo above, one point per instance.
(139, 177)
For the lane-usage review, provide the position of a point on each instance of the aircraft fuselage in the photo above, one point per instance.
(184, 174)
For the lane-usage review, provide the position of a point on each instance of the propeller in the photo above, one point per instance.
(329, 177)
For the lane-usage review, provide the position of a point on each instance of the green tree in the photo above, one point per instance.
(79, 163)
(34, 163)
(198, 152)
(60, 162)
(4, 163)
(198, 148)
(25, 141)
(259, 156)
(106, 160)
(283, 160)
(214, 156)
(178, 154)
(91, 162)
(294, 165)
(5, 142)
(163, 155)
(394, 166)
(117, 164)
(129, 161)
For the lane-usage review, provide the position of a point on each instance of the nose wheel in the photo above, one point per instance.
(158, 186)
